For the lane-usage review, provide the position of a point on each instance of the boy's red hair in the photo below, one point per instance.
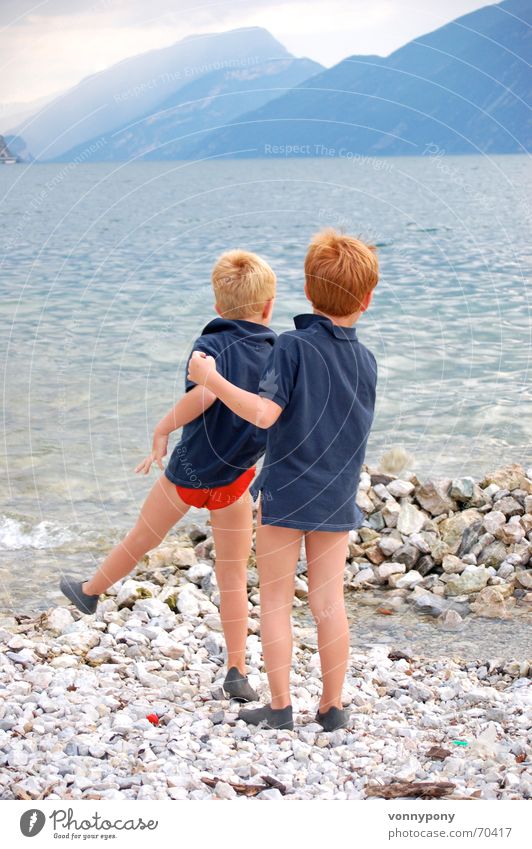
(340, 271)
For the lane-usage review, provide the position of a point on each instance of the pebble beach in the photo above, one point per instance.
(129, 704)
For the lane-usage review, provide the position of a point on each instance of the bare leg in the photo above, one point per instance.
(277, 554)
(232, 529)
(161, 510)
(326, 554)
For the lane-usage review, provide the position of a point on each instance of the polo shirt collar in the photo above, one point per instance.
(239, 326)
(308, 319)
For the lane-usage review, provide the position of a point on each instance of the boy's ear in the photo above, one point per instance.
(366, 301)
(218, 310)
(305, 289)
(268, 309)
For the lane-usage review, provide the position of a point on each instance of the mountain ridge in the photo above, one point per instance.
(219, 97)
(461, 88)
(395, 109)
(110, 98)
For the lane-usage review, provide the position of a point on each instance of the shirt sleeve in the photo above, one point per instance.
(207, 345)
(279, 375)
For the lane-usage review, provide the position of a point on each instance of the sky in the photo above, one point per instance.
(47, 46)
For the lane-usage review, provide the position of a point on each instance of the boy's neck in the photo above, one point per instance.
(341, 321)
(257, 318)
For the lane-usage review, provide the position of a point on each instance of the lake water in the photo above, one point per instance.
(105, 284)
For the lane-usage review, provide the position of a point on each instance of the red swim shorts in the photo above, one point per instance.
(219, 496)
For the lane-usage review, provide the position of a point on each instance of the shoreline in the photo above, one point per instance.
(77, 691)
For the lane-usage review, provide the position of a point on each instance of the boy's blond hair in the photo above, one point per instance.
(242, 284)
(340, 271)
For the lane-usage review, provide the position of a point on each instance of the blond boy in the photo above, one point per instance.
(213, 463)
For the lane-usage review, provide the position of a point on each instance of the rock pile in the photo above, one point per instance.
(450, 545)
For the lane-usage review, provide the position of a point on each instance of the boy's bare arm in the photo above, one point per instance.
(189, 407)
(253, 408)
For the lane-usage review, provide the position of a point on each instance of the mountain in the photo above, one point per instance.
(213, 100)
(136, 86)
(463, 88)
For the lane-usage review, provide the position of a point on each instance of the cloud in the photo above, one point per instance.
(49, 45)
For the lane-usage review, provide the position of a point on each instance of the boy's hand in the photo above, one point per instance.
(158, 451)
(200, 366)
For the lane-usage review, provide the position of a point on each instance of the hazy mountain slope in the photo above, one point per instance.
(214, 100)
(133, 87)
(463, 88)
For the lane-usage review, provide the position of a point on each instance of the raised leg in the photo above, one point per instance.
(326, 554)
(161, 510)
(232, 529)
(277, 555)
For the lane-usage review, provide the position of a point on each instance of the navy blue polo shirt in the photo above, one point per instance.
(325, 380)
(219, 446)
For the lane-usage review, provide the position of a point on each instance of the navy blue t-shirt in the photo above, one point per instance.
(219, 446)
(325, 380)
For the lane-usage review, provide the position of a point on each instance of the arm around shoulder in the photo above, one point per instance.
(255, 409)
(267, 412)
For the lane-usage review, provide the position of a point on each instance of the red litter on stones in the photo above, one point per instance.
(153, 718)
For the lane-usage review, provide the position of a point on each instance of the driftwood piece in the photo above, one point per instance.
(243, 789)
(249, 789)
(20, 793)
(277, 785)
(411, 790)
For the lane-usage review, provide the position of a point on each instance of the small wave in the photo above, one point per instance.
(15, 534)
